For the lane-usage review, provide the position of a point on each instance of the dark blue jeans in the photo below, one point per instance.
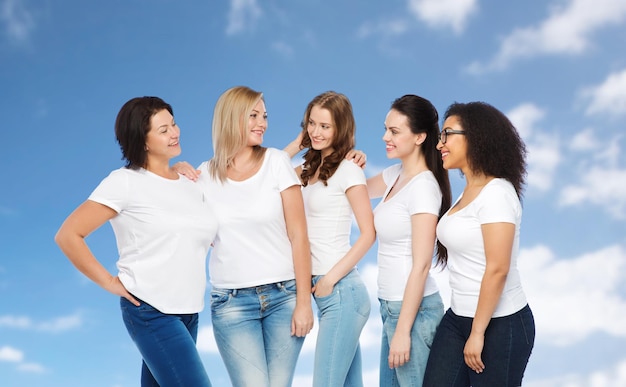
(167, 343)
(508, 343)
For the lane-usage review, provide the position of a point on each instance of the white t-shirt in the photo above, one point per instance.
(329, 216)
(251, 247)
(461, 234)
(164, 229)
(392, 219)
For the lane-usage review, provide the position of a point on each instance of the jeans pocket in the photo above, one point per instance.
(219, 299)
(288, 287)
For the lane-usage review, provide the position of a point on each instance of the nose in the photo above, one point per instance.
(386, 136)
(439, 145)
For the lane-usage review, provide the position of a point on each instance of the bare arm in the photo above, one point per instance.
(88, 217)
(423, 228)
(362, 209)
(294, 147)
(293, 205)
(498, 241)
(376, 186)
(187, 170)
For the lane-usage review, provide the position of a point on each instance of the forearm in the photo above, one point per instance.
(77, 251)
(412, 299)
(491, 288)
(352, 257)
(302, 268)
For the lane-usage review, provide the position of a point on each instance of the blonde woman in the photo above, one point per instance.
(260, 265)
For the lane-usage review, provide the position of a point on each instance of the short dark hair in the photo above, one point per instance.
(133, 124)
(494, 146)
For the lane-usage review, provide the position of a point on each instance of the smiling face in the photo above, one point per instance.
(321, 130)
(454, 151)
(257, 124)
(400, 142)
(162, 138)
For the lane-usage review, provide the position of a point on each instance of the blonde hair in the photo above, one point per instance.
(230, 128)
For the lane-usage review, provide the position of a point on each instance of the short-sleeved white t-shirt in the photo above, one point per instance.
(392, 219)
(329, 216)
(462, 235)
(252, 246)
(164, 229)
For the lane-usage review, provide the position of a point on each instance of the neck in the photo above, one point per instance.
(161, 169)
(476, 179)
(414, 164)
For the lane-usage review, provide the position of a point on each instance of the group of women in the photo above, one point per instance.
(280, 234)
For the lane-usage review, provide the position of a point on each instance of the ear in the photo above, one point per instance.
(420, 138)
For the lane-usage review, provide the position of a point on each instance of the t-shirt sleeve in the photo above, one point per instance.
(424, 197)
(283, 169)
(499, 203)
(350, 175)
(112, 191)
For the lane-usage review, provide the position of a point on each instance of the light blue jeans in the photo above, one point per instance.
(167, 343)
(252, 328)
(342, 316)
(422, 334)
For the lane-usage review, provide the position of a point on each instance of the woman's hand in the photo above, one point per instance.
(399, 350)
(116, 287)
(185, 169)
(472, 351)
(323, 288)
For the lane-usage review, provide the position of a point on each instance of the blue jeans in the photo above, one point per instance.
(252, 328)
(508, 343)
(167, 343)
(422, 334)
(342, 316)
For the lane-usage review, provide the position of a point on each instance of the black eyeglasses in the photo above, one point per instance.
(443, 136)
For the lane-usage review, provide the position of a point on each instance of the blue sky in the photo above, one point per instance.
(557, 68)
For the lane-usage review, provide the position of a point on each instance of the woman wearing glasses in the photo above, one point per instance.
(415, 193)
(486, 337)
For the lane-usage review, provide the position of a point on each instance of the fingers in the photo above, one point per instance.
(398, 359)
(474, 362)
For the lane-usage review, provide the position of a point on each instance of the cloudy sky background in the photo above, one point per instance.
(557, 68)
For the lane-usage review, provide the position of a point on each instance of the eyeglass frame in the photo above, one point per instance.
(443, 135)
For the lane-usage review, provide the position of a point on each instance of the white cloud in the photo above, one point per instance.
(444, 13)
(587, 292)
(567, 30)
(543, 149)
(59, 324)
(11, 354)
(609, 377)
(608, 97)
(206, 340)
(18, 21)
(32, 368)
(604, 187)
(585, 140)
(242, 16)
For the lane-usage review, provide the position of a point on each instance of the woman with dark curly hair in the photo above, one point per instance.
(486, 336)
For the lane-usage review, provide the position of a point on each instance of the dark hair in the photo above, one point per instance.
(340, 109)
(423, 118)
(494, 147)
(132, 126)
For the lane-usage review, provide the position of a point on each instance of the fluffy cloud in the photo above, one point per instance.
(242, 16)
(59, 324)
(444, 13)
(612, 376)
(608, 97)
(567, 30)
(17, 20)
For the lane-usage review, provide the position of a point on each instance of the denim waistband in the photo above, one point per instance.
(257, 289)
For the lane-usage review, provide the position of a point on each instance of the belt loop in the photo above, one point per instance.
(234, 292)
